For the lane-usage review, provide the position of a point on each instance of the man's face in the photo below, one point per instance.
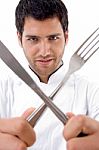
(43, 43)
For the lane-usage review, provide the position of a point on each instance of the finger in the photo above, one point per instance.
(69, 114)
(9, 142)
(73, 127)
(86, 143)
(90, 125)
(28, 112)
(78, 124)
(18, 127)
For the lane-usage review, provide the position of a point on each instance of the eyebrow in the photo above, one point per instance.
(35, 36)
(32, 36)
(55, 34)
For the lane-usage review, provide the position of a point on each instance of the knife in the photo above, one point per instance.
(17, 68)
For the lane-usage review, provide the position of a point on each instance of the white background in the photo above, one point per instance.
(83, 20)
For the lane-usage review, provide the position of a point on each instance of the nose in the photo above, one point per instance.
(45, 48)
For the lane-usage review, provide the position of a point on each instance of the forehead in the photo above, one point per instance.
(51, 25)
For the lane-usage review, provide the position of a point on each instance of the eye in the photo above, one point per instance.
(53, 37)
(33, 39)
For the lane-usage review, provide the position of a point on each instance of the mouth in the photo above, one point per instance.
(44, 61)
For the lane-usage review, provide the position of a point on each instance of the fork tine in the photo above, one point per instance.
(87, 40)
(90, 49)
(92, 53)
(89, 44)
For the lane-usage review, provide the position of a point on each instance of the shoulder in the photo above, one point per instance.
(83, 83)
(8, 79)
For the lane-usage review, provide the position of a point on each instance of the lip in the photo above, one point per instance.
(45, 61)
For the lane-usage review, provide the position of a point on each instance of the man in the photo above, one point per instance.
(42, 29)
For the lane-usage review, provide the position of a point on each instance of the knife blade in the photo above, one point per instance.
(17, 68)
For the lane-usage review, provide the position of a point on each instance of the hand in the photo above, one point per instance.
(81, 123)
(16, 133)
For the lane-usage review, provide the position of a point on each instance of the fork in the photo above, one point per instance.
(78, 59)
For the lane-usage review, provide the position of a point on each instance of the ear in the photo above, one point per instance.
(66, 37)
(19, 38)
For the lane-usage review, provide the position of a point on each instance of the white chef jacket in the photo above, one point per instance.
(77, 95)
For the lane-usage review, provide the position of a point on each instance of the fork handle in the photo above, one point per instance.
(35, 116)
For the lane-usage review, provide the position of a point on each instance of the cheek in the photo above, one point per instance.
(60, 45)
(60, 54)
(28, 53)
(60, 51)
(28, 50)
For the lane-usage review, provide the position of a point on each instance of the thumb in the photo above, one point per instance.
(70, 114)
(28, 112)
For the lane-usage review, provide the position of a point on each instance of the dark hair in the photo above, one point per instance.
(40, 10)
